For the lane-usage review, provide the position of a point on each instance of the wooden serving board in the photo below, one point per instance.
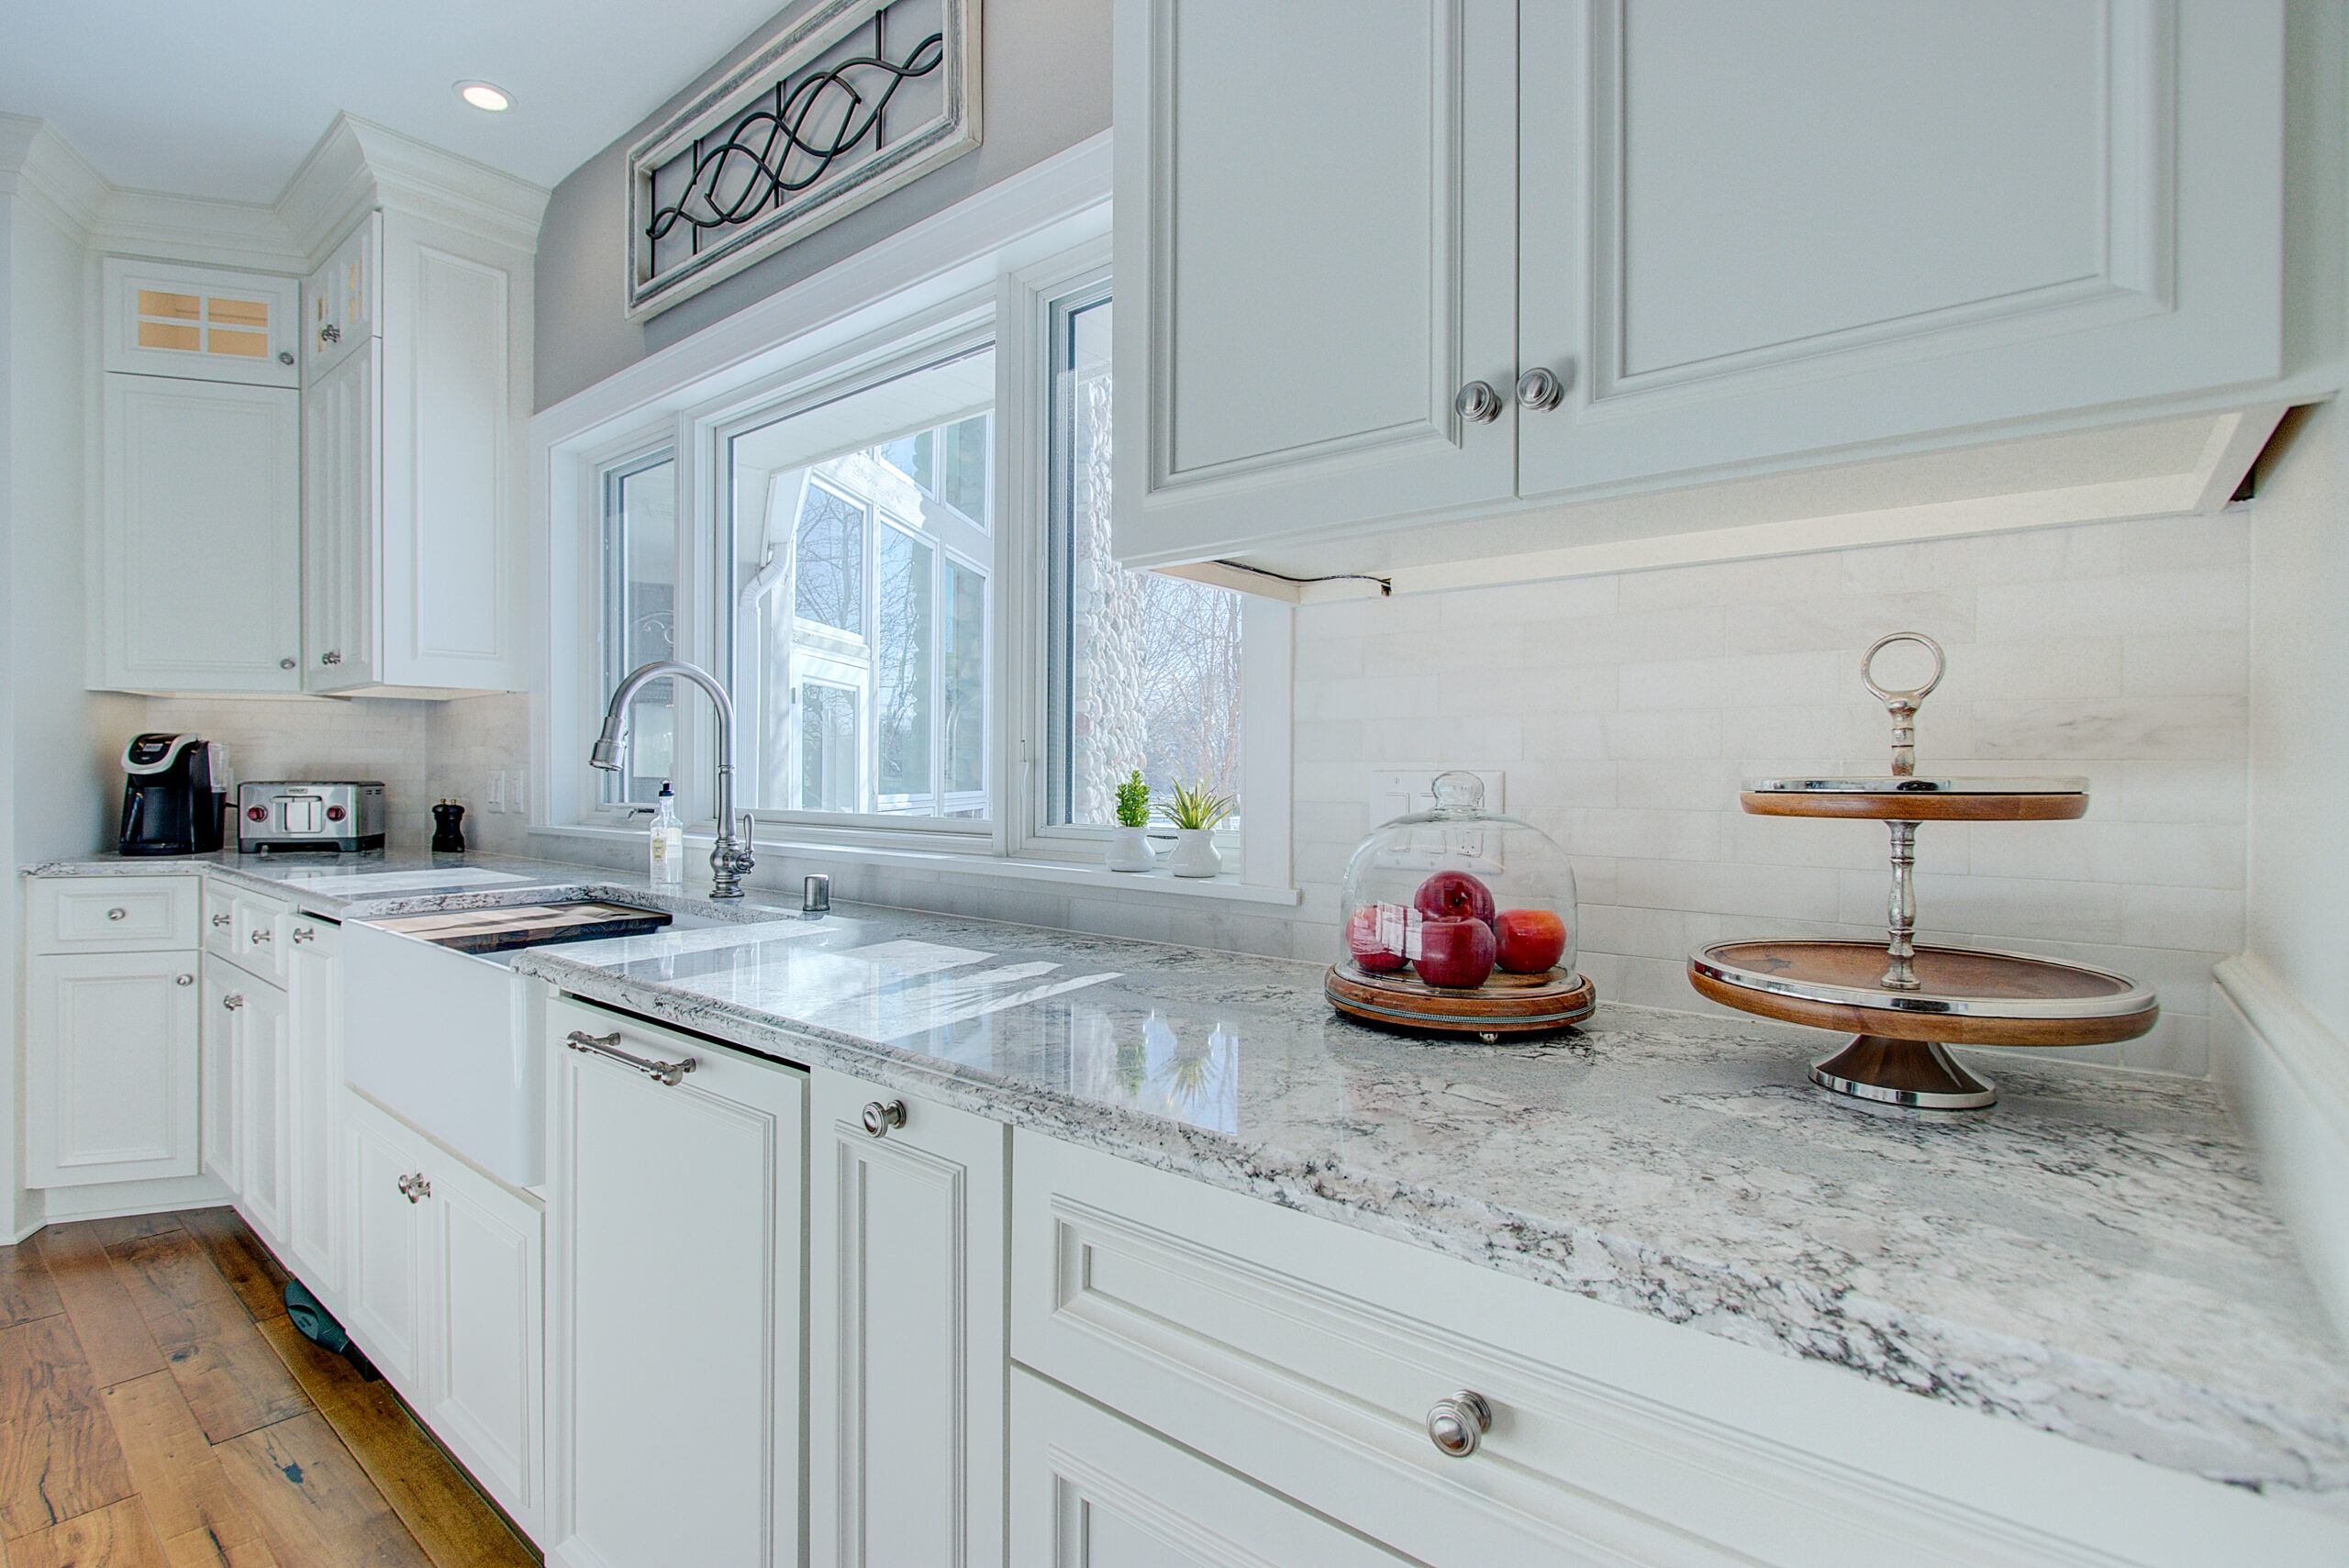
(1980, 981)
(1889, 807)
(1506, 1004)
(525, 925)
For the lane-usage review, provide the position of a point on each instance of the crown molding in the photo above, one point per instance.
(358, 164)
(42, 166)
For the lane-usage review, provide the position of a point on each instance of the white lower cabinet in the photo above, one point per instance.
(906, 1329)
(1089, 1490)
(312, 950)
(673, 1253)
(443, 1291)
(111, 1065)
(260, 1027)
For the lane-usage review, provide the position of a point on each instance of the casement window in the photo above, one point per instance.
(892, 548)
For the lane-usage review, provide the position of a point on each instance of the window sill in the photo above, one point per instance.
(1157, 884)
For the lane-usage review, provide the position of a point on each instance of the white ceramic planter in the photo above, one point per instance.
(1194, 853)
(1129, 851)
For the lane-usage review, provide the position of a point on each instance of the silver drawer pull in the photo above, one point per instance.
(304, 933)
(1457, 1424)
(260, 934)
(669, 1073)
(233, 1000)
(881, 1115)
(222, 919)
(117, 913)
(414, 1188)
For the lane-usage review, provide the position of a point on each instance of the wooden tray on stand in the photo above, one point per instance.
(1908, 1002)
(1505, 1004)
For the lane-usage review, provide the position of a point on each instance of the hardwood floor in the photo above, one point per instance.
(158, 1409)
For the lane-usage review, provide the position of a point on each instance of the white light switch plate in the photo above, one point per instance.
(1399, 795)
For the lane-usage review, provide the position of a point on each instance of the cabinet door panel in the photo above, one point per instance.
(1090, 1491)
(199, 324)
(905, 1338)
(202, 537)
(341, 502)
(224, 1099)
(338, 301)
(111, 1065)
(673, 1253)
(262, 1049)
(1319, 253)
(385, 1254)
(313, 1093)
(1771, 231)
(483, 1398)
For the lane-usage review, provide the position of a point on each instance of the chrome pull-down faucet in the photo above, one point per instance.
(729, 859)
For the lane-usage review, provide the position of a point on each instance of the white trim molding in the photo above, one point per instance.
(2288, 1076)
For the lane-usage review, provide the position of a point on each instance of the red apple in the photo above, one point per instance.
(1456, 896)
(1380, 936)
(1457, 953)
(1529, 941)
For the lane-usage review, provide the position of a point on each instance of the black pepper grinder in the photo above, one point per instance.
(447, 839)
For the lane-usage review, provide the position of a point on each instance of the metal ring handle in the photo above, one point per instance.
(669, 1073)
(1458, 1422)
(1915, 695)
(879, 1116)
(1541, 389)
(1478, 403)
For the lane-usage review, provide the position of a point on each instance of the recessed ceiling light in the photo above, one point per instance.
(481, 95)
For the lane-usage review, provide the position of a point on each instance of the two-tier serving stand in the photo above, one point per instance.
(1908, 1002)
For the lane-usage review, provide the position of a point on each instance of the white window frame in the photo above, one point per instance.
(990, 266)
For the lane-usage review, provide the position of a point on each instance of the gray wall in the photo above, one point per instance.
(1044, 87)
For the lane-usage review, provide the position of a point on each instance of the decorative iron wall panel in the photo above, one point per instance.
(843, 105)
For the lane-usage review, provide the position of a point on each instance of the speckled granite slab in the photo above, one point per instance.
(2096, 1257)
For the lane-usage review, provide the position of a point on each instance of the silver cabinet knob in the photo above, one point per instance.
(222, 919)
(329, 333)
(285, 663)
(233, 1001)
(1541, 389)
(330, 658)
(285, 356)
(305, 933)
(117, 913)
(881, 1115)
(183, 979)
(1458, 1422)
(1478, 403)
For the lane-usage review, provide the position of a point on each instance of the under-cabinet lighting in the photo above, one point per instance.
(481, 95)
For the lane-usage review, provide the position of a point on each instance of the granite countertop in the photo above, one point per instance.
(2095, 1257)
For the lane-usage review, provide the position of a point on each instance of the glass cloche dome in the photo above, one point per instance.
(1459, 921)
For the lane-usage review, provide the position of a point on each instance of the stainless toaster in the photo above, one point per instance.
(287, 815)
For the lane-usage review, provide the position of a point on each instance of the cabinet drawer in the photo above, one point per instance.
(220, 927)
(1308, 1355)
(114, 914)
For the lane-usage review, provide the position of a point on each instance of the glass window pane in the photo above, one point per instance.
(640, 621)
(901, 686)
(965, 690)
(1145, 669)
(851, 603)
(830, 588)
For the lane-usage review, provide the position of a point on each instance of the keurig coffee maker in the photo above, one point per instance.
(171, 792)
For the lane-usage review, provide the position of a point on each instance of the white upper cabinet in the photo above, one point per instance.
(201, 323)
(338, 300)
(1682, 242)
(1752, 231)
(412, 484)
(200, 538)
(1316, 251)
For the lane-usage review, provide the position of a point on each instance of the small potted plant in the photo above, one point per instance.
(1129, 842)
(1195, 813)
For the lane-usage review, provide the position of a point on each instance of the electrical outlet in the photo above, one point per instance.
(1400, 794)
(497, 790)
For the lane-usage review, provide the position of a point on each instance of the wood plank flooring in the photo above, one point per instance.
(158, 1409)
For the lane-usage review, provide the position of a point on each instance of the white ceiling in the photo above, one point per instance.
(225, 97)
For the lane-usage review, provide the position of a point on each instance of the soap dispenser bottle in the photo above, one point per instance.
(668, 841)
